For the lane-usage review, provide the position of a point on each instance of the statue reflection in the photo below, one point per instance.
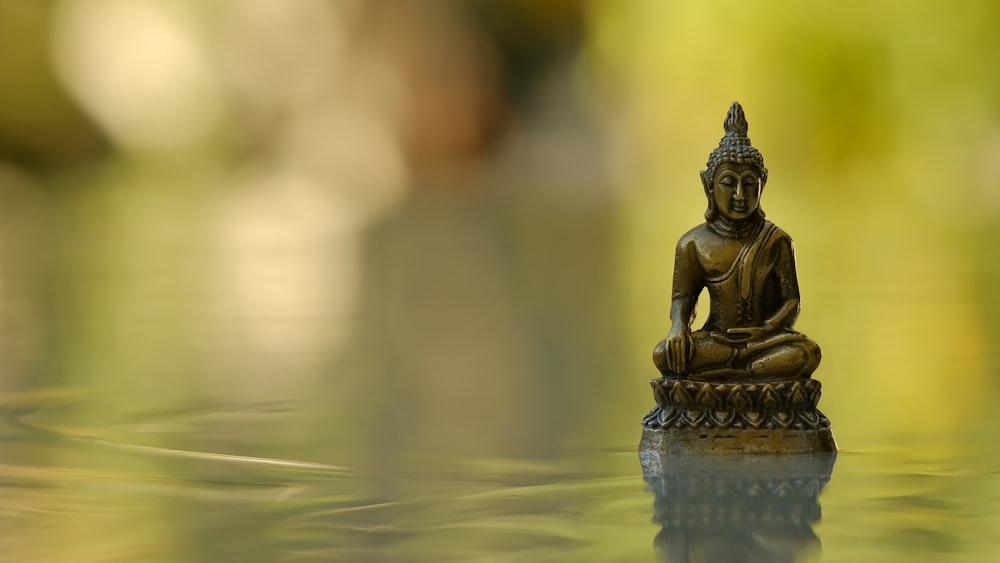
(736, 509)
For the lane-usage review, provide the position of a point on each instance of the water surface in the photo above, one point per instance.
(141, 489)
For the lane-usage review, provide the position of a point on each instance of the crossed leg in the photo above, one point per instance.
(788, 355)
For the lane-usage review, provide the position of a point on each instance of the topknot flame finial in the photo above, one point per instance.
(736, 122)
(733, 147)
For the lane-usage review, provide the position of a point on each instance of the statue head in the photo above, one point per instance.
(735, 173)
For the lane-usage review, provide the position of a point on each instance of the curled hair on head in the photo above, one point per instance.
(734, 147)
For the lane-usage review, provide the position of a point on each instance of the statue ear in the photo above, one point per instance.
(706, 182)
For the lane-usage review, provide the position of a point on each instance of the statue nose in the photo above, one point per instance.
(740, 191)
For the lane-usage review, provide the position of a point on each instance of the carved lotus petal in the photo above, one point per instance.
(658, 395)
(814, 396)
(769, 398)
(694, 417)
(783, 418)
(723, 419)
(797, 398)
(667, 416)
(707, 398)
(754, 418)
(679, 396)
(823, 421)
(651, 416)
(813, 389)
(738, 399)
(809, 417)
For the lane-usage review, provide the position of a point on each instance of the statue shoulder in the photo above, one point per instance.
(694, 235)
(778, 242)
(778, 232)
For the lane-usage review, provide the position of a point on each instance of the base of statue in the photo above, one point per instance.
(754, 418)
(729, 441)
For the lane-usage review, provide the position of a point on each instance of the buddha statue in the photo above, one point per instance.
(747, 264)
(746, 371)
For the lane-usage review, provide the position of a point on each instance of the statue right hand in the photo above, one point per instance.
(679, 349)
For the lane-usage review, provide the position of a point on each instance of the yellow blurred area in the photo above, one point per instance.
(485, 197)
(490, 193)
(879, 126)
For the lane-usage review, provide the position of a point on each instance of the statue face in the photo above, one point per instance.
(736, 189)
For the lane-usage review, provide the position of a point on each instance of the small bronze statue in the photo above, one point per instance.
(746, 369)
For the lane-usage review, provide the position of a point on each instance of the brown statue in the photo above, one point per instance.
(747, 264)
(746, 369)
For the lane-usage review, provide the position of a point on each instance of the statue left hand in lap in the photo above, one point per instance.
(747, 264)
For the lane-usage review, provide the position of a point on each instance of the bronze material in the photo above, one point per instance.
(746, 371)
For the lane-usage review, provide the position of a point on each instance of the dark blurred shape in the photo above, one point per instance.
(737, 510)
(453, 108)
(469, 67)
(40, 127)
(529, 37)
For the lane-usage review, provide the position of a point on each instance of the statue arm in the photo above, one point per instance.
(788, 281)
(784, 318)
(684, 297)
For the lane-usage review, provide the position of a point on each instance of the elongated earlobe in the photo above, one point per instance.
(706, 183)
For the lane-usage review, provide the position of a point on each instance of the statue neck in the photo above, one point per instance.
(736, 229)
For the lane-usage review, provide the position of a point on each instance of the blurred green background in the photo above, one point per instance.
(389, 233)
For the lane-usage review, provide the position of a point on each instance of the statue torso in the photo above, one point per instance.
(724, 261)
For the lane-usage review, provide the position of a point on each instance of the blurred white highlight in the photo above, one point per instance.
(137, 70)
